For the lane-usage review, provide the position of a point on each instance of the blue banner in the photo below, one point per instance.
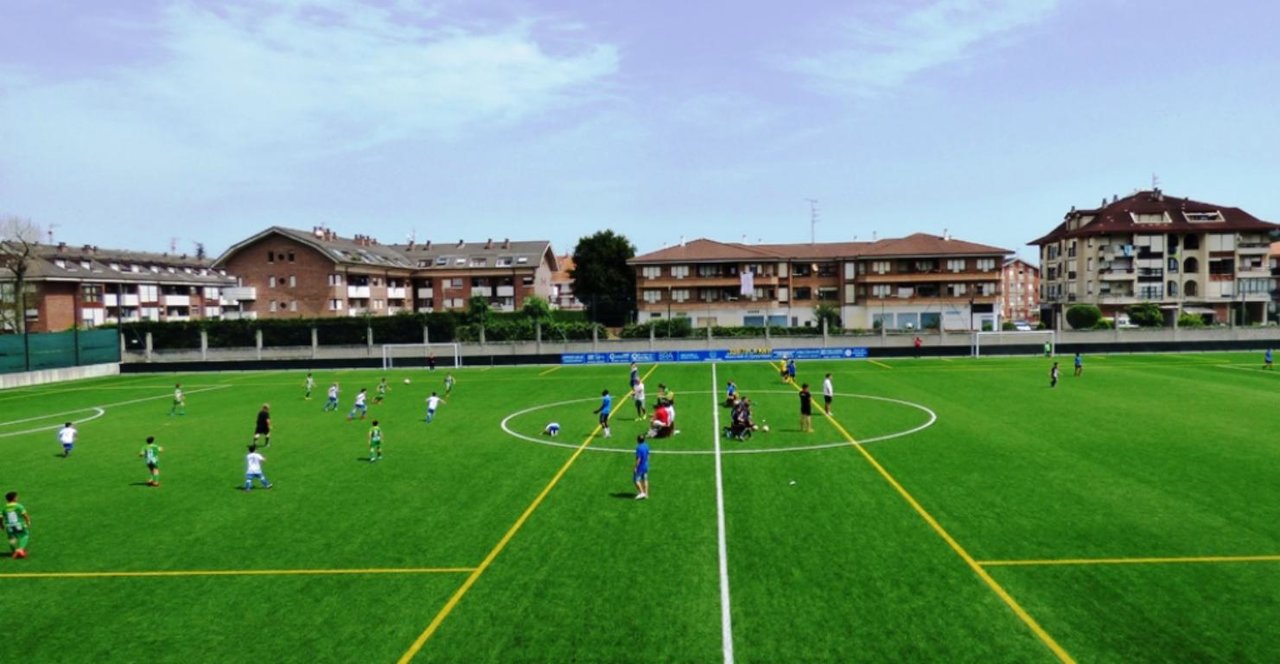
(717, 355)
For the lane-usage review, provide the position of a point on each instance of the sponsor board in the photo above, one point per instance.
(717, 355)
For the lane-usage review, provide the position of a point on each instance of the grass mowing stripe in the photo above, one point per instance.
(1171, 560)
(237, 572)
(994, 585)
(506, 538)
(726, 617)
(556, 367)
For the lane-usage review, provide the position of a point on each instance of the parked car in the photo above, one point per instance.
(1023, 326)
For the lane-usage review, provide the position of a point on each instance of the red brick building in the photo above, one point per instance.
(296, 273)
(1019, 291)
(87, 286)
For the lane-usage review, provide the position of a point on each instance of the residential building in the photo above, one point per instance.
(1185, 256)
(319, 274)
(562, 286)
(87, 286)
(1019, 291)
(917, 282)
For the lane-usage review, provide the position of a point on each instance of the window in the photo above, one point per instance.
(293, 281)
(679, 271)
(442, 260)
(504, 261)
(271, 283)
(1201, 217)
(880, 267)
(521, 260)
(802, 293)
(271, 258)
(652, 296)
(335, 280)
(957, 290)
(827, 269)
(651, 272)
(456, 282)
(986, 264)
(881, 290)
(290, 256)
(91, 294)
(801, 270)
(460, 261)
(955, 264)
(828, 293)
(148, 293)
(527, 281)
(479, 262)
(680, 294)
(272, 305)
(708, 271)
(335, 305)
(293, 305)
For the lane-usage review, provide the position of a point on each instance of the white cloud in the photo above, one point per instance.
(277, 82)
(886, 50)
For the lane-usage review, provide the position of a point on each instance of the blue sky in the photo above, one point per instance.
(144, 122)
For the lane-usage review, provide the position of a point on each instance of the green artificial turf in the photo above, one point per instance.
(1167, 457)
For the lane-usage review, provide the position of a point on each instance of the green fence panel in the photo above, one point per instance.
(99, 346)
(52, 350)
(12, 356)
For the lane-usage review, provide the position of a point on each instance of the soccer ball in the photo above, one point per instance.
(406, 381)
(764, 428)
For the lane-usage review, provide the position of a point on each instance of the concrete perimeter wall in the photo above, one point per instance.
(27, 378)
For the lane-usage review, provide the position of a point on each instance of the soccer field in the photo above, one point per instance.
(948, 510)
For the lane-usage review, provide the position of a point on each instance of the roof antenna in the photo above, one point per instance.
(813, 219)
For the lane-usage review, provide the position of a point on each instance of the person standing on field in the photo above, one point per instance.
(606, 407)
(1079, 362)
(263, 425)
(179, 401)
(17, 524)
(151, 455)
(828, 393)
(253, 469)
(806, 409)
(67, 436)
(640, 473)
(1053, 375)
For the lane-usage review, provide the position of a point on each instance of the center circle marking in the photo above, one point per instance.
(933, 417)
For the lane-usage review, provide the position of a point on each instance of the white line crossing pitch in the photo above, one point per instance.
(726, 618)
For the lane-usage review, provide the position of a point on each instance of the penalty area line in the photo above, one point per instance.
(236, 572)
(1157, 560)
(498, 548)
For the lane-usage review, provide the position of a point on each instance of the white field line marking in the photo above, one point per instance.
(101, 408)
(726, 618)
(933, 417)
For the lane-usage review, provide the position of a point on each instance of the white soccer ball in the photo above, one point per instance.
(764, 428)
(406, 381)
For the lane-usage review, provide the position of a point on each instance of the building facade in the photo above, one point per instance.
(917, 282)
(295, 273)
(1184, 256)
(562, 296)
(1019, 291)
(86, 286)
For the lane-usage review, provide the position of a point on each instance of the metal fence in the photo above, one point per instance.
(57, 350)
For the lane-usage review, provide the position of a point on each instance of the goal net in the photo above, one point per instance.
(419, 355)
(1035, 342)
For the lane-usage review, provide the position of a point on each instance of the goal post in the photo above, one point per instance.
(446, 354)
(1034, 339)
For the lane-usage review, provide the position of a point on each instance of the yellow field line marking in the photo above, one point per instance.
(550, 370)
(879, 364)
(1170, 560)
(237, 572)
(502, 543)
(994, 585)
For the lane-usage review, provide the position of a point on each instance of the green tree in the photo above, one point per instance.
(1146, 314)
(536, 308)
(478, 310)
(828, 313)
(602, 279)
(1186, 319)
(1083, 316)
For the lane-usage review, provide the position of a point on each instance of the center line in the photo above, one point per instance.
(726, 620)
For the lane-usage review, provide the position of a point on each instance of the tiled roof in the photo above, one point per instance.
(1179, 215)
(88, 263)
(919, 244)
(522, 253)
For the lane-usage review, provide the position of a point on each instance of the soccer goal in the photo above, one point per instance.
(1025, 342)
(418, 355)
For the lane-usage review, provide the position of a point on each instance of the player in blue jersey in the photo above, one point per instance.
(606, 407)
(640, 474)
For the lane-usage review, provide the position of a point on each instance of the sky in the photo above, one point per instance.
(151, 124)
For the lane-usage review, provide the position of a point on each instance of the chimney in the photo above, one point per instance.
(86, 249)
(488, 243)
(682, 240)
(506, 243)
(62, 246)
(318, 231)
(946, 234)
(427, 246)
(461, 243)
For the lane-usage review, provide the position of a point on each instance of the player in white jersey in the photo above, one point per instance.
(332, 403)
(637, 393)
(253, 469)
(361, 406)
(67, 436)
(828, 393)
(433, 402)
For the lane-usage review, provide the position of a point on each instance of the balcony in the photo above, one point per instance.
(398, 293)
(175, 300)
(1116, 274)
(481, 291)
(129, 300)
(231, 295)
(506, 291)
(1253, 248)
(360, 292)
(426, 293)
(110, 300)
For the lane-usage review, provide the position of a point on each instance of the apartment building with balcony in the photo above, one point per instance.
(87, 286)
(1019, 291)
(1185, 256)
(917, 282)
(316, 273)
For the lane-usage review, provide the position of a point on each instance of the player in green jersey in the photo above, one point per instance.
(448, 385)
(17, 524)
(375, 442)
(179, 401)
(151, 454)
(381, 390)
(309, 385)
